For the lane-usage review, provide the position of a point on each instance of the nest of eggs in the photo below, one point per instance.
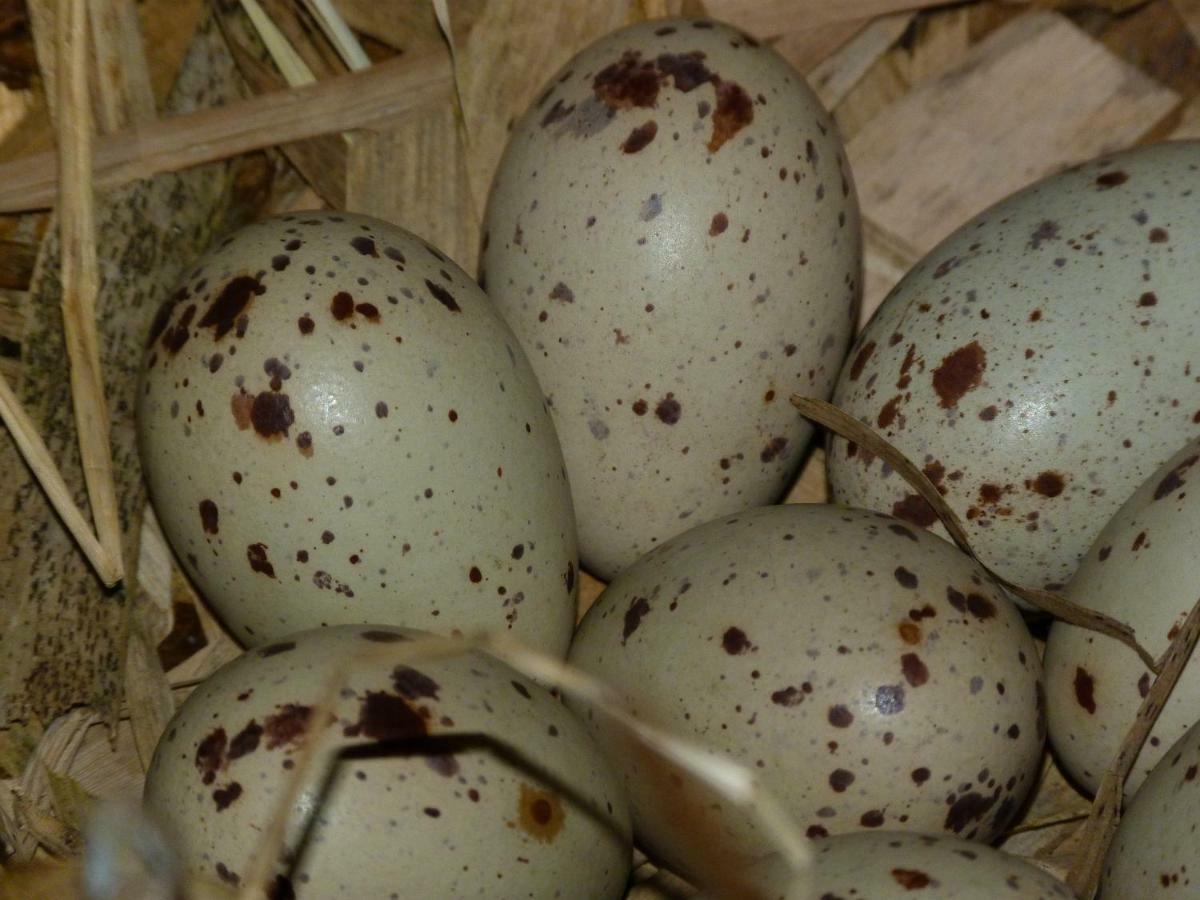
(342, 434)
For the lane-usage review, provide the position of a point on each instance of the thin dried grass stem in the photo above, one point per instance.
(846, 426)
(1101, 826)
(41, 463)
(81, 280)
(339, 34)
(358, 100)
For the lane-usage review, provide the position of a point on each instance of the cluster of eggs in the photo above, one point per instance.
(349, 444)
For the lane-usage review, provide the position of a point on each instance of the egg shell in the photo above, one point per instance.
(455, 778)
(1142, 570)
(1039, 362)
(674, 236)
(864, 670)
(1154, 852)
(897, 866)
(337, 427)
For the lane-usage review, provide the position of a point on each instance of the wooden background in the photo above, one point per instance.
(945, 108)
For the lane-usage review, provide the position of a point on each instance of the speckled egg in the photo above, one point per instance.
(674, 237)
(337, 427)
(1142, 570)
(896, 866)
(459, 778)
(1039, 362)
(1154, 852)
(867, 671)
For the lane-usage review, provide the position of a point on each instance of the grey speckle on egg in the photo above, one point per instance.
(673, 235)
(865, 670)
(456, 778)
(1143, 570)
(336, 426)
(1040, 363)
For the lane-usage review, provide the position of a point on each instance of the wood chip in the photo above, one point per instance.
(810, 45)
(947, 150)
(505, 57)
(833, 78)
(768, 18)
(376, 95)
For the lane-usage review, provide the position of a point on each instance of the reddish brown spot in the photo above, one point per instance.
(257, 555)
(776, 447)
(990, 493)
(1111, 179)
(246, 740)
(1085, 689)
(341, 306)
(382, 637)
(540, 813)
(887, 415)
(840, 716)
(734, 641)
(860, 361)
(787, 696)
(1159, 236)
(208, 516)
(222, 314)
(977, 605)
(368, 311)
(718, 224)
(271, 414)
(228, 876)
(210, 755)
(1138, 541)
(638, 608)
(1148, 299)
(556, 113)
(1174, 480)
(1048, 484)
(640, 407)
(915, 509)
(640, 137)
(920, 775)
(988, 413)
(840, 779)
(1105, 552)
(909, 633)
(442, 296)
(911, 879)
(668, 410)
(906, 578)
(960, 372)
(386, 717)
(414, 685)
(304, 443)
(306, 324)
(629, 82)
(872, 818)
(475, 575)
(364, 245)
(226, 795)
(735, 110)
(969, 808)
(562, 293)
(897, 528)
(174, 338)
(915, 671)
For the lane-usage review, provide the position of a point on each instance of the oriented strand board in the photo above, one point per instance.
(953, 146)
